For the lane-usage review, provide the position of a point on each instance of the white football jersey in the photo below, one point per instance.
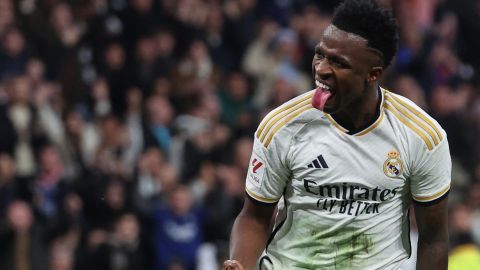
(343, 197)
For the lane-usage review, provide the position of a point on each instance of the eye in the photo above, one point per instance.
(319, 54)
(338, 63)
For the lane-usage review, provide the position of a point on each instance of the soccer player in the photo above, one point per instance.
(343, 163)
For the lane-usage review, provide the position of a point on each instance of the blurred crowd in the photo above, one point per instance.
(126, 126)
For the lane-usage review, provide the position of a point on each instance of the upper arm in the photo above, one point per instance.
(250, 232)
(261, 212)
(432, 219)
(432, 235)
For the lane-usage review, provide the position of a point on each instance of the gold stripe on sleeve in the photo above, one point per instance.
(412, 118)
(432, 197)
(419, 114)
(286, 120)
(260, 198)
(278, 111)
(408, 124)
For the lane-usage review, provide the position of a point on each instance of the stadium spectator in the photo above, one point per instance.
(178, 230)
(24, 244)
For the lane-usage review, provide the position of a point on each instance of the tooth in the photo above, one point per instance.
(322, 85)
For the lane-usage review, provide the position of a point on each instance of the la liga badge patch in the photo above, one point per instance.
(256, 171)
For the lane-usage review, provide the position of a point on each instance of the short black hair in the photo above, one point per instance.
(366, 19)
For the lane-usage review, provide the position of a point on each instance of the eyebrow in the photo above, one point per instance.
(339, 57)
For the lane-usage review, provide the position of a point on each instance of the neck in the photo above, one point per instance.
(361, 113)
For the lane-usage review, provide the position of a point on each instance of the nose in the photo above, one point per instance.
(323, 69)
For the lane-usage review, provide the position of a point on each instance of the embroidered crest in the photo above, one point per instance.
(393, 166)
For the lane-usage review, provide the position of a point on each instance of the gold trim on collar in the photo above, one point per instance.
(335, 124)
(369, 128)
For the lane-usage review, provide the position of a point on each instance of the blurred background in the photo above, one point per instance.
(126, 126)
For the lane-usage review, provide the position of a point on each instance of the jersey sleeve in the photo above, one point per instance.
(267, 175)
(431, 178)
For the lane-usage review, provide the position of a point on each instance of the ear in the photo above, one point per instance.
(374, 74)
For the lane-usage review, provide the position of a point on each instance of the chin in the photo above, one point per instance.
(329, 110)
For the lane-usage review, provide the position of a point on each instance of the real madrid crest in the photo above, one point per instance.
(393, 166)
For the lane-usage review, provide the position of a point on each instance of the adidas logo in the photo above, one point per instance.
(318, 163)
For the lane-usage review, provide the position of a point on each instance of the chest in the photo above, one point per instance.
(377, 163)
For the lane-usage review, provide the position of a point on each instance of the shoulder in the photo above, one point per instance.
(419, 124)
(284, 117)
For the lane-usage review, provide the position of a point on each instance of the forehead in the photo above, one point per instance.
(343, 43)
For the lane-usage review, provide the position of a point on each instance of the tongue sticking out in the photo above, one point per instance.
(320, 98)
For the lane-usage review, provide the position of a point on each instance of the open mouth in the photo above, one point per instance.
(321, 96)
